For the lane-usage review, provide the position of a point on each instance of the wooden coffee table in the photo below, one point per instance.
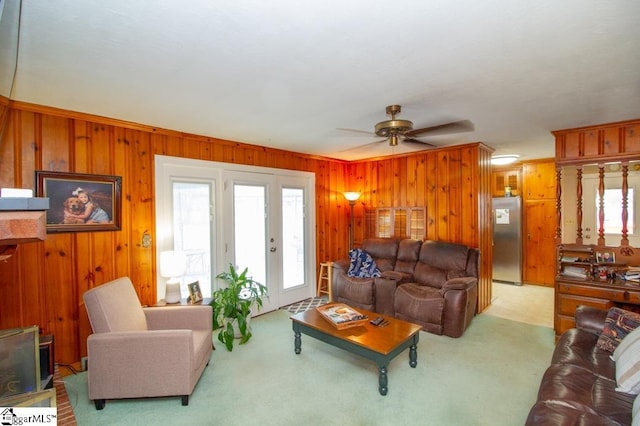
(378, 344)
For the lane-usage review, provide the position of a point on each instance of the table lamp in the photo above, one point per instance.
(173, 265)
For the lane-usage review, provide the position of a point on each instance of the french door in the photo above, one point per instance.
(252, 217)
(270, 236)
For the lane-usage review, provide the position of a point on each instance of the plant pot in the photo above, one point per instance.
(236, 329)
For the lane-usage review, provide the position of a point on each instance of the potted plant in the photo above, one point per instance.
(232, 305)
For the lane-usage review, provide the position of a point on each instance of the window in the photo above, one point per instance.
(396, 222)
(613, 211)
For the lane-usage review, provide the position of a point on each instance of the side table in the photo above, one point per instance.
(183, 302)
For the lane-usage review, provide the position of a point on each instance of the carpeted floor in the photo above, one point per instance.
(489, 376)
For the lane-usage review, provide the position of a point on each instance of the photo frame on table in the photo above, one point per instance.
(195, 295)
(605, 257)
(81, 202)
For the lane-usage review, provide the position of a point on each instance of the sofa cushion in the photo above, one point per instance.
(383, 250)
(115, 306)
(556, 413)
(408, 252)
(439, 262)
(579, 388)
(617, 325)
(635, 412)
(578, 347)
(362, 265)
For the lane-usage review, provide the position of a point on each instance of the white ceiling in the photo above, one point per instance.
(291, 74)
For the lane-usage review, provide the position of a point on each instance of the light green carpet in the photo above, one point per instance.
(489, 376)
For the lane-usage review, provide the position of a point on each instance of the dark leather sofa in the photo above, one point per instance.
(578, 388)
(431, 283)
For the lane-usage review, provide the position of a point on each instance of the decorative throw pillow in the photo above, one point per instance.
(627, 359)
(626, 342)
(362, 265)
(617, 325)
(635, 412)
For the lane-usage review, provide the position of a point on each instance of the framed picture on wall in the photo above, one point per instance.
(605, 257)
(80, 202)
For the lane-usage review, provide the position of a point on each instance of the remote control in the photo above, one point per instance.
(377, 321)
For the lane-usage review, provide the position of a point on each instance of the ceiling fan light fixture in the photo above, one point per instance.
(393, 127)
(393, 140)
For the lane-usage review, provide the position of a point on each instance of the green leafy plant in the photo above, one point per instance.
(232, 304)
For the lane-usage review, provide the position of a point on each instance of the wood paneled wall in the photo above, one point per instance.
(454, 185)
(43, 283)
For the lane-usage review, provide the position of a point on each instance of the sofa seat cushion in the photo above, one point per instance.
(578, 347)
(423, 305)
(584, 391)
(556, 413)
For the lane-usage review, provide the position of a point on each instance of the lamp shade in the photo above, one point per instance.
(352, 196)
(173, 264)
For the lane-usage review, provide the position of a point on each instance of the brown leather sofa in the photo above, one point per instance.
(578, 388)
(395, 259)
(430, 283)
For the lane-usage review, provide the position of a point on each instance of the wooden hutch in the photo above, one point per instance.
(591, 258)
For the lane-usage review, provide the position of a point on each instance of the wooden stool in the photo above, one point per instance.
(324, 279)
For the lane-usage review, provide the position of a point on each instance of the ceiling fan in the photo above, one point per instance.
(394, 129)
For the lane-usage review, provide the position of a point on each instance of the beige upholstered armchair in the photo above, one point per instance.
(138, 352)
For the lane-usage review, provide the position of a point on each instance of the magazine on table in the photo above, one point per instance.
(340, 314)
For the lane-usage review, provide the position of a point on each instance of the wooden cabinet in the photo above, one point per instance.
(571, 293)
(577, 284)
(539, 264)
(578, 150)
(506, 177)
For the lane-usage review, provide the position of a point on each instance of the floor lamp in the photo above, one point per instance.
(351, 197)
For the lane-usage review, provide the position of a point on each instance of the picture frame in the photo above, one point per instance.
(80, 202)
(195, 295)
(605, 257)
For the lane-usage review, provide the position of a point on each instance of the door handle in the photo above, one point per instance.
(272, 249)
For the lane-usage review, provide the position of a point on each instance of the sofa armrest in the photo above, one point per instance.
(198, 317)
(590, 319)
(146, 362)
(462, 283)
(341, 265)
(392, 275)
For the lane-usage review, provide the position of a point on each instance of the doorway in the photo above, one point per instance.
(258, 218)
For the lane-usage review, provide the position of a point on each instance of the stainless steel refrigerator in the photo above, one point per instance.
(507, 240)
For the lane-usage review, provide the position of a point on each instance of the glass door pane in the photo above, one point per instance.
(250, 230)
(293, 242)
(192, 232)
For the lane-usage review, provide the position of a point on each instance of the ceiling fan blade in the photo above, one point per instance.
(363, 146)
(418, 142)
(441, 129)
(364, 132)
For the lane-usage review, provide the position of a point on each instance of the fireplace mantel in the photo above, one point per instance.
(22, 220)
